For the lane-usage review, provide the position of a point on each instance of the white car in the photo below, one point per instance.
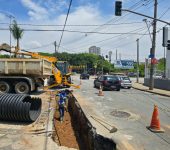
(157, 76)
(125, 82)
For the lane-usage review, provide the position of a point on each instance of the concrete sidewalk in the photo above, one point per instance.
(141, 87)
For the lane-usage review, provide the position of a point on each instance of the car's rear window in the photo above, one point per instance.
(125, 78)
(111, 78)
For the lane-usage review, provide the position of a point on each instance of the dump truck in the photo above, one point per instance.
(23, 75)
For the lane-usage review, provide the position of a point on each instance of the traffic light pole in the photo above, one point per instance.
(118, 10)
(146, 16)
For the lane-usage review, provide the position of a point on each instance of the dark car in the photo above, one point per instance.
(108, 82)
(84, 76)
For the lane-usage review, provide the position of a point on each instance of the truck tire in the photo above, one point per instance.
(4, 87)
(22, 88)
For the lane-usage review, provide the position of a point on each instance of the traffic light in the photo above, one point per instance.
(168, 44)
(118, 8)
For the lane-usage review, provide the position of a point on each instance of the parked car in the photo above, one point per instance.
(125, 82)
(157, 76)
(84, 76)
(108, 82)
(132, 74)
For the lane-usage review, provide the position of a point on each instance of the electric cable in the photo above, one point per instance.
(74, 31)
(121, 16)
(64, 24)
(74, 25)
(109, 38)
(111, 20)
(116, 19)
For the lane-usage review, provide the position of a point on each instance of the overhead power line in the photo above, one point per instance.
(74, 31)
(65, 24)
(114, 19)
(116, 36)
(74, 25)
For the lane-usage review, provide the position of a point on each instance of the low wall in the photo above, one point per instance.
(163, 84)
(85, 131)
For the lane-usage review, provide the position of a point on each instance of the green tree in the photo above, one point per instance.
(161, 64)
(17, 33)
(89, 60)
(4, 56)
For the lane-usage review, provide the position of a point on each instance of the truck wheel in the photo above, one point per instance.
(22, 88)
(4, 87)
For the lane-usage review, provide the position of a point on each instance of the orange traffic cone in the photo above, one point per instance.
(155, 123)
(100, 91)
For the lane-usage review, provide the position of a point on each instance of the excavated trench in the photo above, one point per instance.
(77, 131)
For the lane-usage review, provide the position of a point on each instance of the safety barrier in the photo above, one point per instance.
(19, 107)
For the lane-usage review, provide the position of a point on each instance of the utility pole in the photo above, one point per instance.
(110, 56)
(152, 52)
(116, 54)
(102, 59)
(55, 44)
(137, 66)
(164, 63)
(10, 35)
(10, 19)
(120, 56)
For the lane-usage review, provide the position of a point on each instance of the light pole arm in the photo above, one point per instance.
(146, 16)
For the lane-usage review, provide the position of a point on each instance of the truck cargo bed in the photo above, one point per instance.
(24, 66)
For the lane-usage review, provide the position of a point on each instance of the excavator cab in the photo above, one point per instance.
(63, 67)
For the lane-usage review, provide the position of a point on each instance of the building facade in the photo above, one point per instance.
(95, 50)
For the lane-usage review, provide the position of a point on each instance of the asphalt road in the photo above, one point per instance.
(130, 111)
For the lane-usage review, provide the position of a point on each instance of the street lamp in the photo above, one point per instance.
(10, 17)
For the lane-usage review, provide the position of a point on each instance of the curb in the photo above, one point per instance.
(151, 91)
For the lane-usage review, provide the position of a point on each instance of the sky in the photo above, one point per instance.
(107, 31)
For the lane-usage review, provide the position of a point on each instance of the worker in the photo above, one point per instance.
(66, 97)
(61, 104)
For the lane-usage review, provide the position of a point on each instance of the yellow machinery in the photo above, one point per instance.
(25, 75)
(60, 79)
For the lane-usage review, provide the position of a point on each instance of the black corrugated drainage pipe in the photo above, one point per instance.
(19, 107)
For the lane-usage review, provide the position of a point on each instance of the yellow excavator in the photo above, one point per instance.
(59, 77)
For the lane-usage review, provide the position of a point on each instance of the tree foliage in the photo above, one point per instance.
(161, 64)
(17, 32)
(4, 56)
(90, 60)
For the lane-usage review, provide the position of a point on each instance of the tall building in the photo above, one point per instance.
(95, 50)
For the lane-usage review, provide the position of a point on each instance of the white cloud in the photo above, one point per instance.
(55, 6)
(2, 16)
(35, 11)
(32, 44)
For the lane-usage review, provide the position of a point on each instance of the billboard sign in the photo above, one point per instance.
(124, 64)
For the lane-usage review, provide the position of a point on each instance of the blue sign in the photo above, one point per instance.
(151, 56)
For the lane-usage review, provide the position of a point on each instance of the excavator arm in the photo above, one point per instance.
(59, 79)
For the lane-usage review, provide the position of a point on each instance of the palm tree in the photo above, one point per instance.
(17, 33)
